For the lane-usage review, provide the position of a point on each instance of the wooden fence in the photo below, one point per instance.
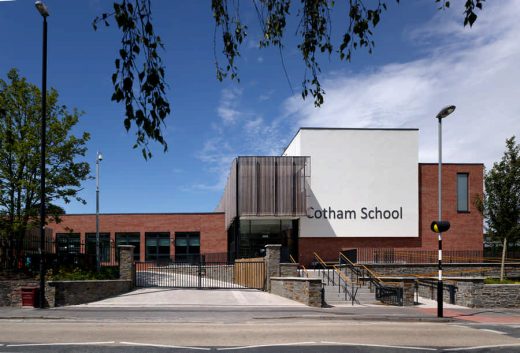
(250, 273)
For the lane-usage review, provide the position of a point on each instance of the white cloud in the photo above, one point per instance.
(475, 69)
(227, 109)
(251, 134)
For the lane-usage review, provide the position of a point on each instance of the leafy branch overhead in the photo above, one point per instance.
(145, 99)
(139, 77)
(314, 30)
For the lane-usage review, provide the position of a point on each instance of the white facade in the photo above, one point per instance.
(364, 182)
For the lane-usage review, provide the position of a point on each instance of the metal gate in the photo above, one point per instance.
(200, 274)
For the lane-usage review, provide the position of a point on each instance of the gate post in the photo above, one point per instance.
(272, 263)
(126, 263)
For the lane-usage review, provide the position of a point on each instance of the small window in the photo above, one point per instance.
(462, 192)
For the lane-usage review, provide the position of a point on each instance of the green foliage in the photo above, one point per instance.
(498, 281)
(139, 77)
(501, 203)
(77, 274)
(20, 126)
(314, 30)
(145, 101)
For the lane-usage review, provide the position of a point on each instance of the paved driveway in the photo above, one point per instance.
(169, 297)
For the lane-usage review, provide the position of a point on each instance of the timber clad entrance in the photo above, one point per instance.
(201, 274)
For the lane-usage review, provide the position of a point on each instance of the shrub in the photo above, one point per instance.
(498, 281)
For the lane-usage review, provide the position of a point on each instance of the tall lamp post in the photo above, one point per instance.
(99, 158)
(441, 115)
(42, 9)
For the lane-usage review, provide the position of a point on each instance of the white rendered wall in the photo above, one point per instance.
(294, 148)
(355, 172)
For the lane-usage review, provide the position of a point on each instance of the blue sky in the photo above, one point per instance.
(424, 59)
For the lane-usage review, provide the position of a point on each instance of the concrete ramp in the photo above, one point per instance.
(173, 297)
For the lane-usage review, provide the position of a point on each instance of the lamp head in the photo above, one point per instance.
(99, 157)
(42, 9)
(445, 112)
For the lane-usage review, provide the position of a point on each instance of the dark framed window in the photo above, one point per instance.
(462, 192)
(187, 246)
(68, 243)
(129, 238)
(157, 246)
(104, 245)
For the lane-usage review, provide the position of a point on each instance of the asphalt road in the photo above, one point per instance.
(283, 335)
(294, 348)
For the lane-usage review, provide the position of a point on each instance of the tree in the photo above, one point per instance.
(20, 126)
(500, 205)
(139, 76)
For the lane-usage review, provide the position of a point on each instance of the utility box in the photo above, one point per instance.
(29, 296)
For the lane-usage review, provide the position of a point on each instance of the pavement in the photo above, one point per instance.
(192, 305)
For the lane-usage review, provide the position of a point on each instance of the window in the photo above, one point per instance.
(157, 246)
(129, 239)
(462, 192)
(67, 243)
(104, 245)
(187, 246)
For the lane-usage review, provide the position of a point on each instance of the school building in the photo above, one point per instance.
(331, 190)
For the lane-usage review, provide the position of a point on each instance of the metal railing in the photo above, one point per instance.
(412, 256)
(200, 275)
(430, 287)
(23, 256)
(302, 271)
(338, 278)
(389, 294)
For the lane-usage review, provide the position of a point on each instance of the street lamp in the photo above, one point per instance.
(42, 9)
(99, 158)
(441, 115)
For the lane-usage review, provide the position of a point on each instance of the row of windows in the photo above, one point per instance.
(157, 245)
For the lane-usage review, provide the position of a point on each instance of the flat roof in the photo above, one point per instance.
(145, 214)
(348, 128)
(436, 163)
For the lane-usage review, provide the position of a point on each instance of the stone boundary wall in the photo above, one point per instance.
(59, 293)
(480, 295)
(10, 291)
(451, 270)
(80, 292)
(303, 290)
(475, 294)
(288, 270)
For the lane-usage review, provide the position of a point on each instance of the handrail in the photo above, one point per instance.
(341, 276)
(371, 273)
(320, 260)
(352, 293)
(303, 267)
(324, 267)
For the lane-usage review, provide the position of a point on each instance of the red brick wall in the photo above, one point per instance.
(466, 231)
(213, 236)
